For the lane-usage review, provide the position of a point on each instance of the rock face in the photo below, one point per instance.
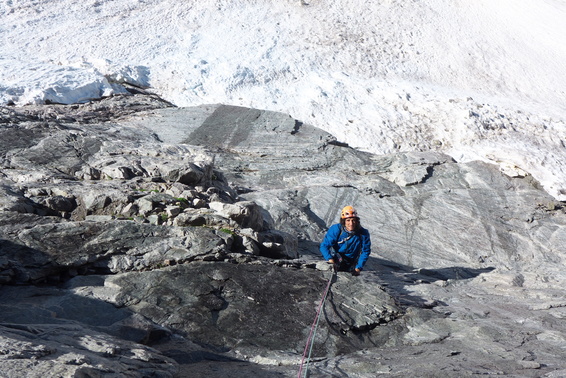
(139, 239)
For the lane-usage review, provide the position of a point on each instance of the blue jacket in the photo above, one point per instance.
(356, 247)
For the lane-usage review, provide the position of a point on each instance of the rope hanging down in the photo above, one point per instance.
(310, 339)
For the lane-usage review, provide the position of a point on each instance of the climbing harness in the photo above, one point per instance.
(346, 238)
(310, 339)
(344, 262)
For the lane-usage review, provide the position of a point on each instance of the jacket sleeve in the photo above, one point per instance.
(366, 249)
(330, 240)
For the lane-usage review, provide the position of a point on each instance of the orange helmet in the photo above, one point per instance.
(349, 212)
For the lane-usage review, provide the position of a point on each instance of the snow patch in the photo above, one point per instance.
(481, 80)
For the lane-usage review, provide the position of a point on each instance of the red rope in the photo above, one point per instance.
(313, 328)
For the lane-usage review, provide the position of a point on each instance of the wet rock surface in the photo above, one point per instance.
(140, 239)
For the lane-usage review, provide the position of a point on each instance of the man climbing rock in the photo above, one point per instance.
(347, 244)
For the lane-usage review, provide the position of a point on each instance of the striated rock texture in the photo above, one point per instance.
(139, 239)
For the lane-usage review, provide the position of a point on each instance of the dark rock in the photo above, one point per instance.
(224, 305)
(61, 204)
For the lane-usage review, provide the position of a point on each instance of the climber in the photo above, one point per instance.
(347, 245)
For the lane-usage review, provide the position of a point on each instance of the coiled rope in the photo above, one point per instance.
(310, 339)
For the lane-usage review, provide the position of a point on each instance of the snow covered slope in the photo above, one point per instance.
(478, 80)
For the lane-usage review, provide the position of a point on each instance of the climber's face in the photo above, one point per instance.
(351, 223)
